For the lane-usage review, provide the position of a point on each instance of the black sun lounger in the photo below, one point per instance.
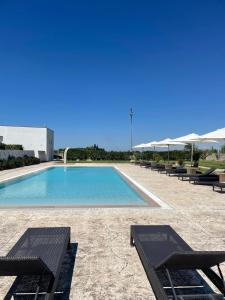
(39, 251)
(189, 176)
(220, 185)
(176, 171)
(157, 167)
(171, 265)
(207, 180)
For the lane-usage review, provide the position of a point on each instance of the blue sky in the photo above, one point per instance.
(78, 66)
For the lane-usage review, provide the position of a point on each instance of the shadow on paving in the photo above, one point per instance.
(28, 284)
(187, 282)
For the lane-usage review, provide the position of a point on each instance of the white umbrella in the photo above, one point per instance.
(151, 145)
(187, 138)
(167, 143)
(191, 138)
(140, 146)
(145, 146)
(218, 134)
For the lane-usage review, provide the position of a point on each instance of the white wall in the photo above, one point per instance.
(50, 144)
(40, 140)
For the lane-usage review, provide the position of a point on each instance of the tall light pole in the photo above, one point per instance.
(131, 128)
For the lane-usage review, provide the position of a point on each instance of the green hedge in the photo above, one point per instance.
(10, 147)
(16, 162)
(95, 153)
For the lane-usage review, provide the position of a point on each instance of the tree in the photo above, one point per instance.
(222, 150)
(188, 147)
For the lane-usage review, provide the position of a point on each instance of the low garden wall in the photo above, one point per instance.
(4, 154)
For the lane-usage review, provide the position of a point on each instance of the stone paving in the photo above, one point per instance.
(106, 267)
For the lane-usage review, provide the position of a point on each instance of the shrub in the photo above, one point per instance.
(10, 146)
(4, 164)
(2, 146)
(196, 157)
(1, 164)
(95, 153)
(13, 147)
(35, 160)
(157, 157)
(16, 162)
(27, 160)
(19, 162)
(180, 162)
(11, 163)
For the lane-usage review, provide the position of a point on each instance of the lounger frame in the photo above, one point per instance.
(48, 246)
(190, 259)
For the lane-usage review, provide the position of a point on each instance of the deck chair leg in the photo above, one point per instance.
(38, 287)
(221, 275)
(131, 241)
(216, 279)
(37, 292)
(51, 289)
(171, 284)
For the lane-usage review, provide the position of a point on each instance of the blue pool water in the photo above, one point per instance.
(70, 186)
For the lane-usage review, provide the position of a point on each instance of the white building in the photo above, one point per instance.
(38, 139)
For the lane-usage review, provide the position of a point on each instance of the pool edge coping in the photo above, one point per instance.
(160, 202)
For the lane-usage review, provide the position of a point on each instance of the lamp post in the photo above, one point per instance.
(131, 129)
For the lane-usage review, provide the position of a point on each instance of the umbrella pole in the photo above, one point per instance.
(192, 152)
(168, 153)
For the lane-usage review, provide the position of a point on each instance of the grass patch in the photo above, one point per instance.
(212, 164)
(97, 161)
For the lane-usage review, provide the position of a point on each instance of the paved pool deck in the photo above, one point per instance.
(106, 267)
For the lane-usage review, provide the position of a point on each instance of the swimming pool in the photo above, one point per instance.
(72, 186)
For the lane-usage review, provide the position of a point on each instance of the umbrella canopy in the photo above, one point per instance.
(167, 143)
(187, 138)
(218, 134)
(140, 146)
(192, 138)
(150, 145)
